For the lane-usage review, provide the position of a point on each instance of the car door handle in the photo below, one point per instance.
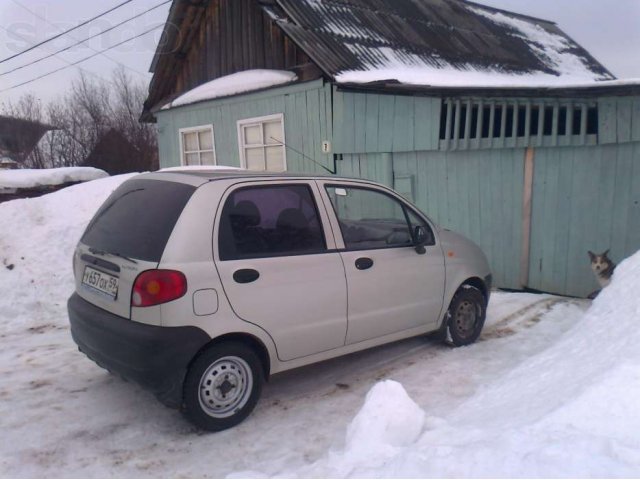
(364, 263)
(246, 275)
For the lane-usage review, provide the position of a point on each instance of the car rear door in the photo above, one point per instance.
(277, 262)
(127, 236)
(391, 287)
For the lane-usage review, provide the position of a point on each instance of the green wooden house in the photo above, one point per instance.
(495, 124)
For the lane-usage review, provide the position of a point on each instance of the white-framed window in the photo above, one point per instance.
(197, 145)
(262, 144)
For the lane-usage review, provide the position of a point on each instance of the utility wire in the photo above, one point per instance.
(80, 61)
(65, 31)
(83, 41)
(35, 14)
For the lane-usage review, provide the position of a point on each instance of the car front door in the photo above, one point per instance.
(391, 287)
(279, 269)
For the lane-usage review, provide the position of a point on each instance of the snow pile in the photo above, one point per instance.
(388, 420)
(36, 247)
(569, 411)
(240, 82)
(30, 178)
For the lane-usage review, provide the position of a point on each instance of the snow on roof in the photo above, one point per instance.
(553, 49)
(240, 82)
(30, 178)
(435, 43)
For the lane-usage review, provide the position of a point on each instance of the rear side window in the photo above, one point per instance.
(137, 219)
(270, 221)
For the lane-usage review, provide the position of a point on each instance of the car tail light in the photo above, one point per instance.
(154, 287)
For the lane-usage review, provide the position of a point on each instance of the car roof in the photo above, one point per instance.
(201, 176)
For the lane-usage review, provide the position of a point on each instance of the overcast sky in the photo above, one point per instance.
(609, 29)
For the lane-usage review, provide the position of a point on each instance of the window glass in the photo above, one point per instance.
(206, 158)
(270, 221)
(370, 219)
(253, 157)
(206, 140)
(191, 142)
(137, 219)
(197, 146)
(262, 144)
(272, 133)
(252, 135)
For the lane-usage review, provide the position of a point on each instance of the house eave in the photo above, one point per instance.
(569, 91)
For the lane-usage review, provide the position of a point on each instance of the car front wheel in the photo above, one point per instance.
(465, 316)
(222, 386)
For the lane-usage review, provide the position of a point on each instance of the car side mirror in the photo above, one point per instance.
(420, 239)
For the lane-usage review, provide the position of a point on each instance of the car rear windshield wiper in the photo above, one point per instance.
(95, 251)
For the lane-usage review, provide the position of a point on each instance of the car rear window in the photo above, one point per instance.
(137, 219)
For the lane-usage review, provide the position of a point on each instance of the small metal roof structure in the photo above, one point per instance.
(18, 137)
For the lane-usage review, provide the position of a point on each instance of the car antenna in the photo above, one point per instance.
(303, 155)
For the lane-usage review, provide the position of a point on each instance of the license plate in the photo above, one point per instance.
(100, 281)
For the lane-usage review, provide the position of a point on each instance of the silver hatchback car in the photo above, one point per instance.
(199, 285)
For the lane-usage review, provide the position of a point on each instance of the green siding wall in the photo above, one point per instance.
(619, 120)
(583, 199)
(373, 123)
(307, 123)
(478, 194)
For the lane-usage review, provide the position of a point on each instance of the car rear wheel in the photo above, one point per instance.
(222, 386)
(465, 316)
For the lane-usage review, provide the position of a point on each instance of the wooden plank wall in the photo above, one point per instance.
(221, 38)
(307, 121)
(374, 123)
(585, 198)
(377, 167)
(619, 120)
(478, 194)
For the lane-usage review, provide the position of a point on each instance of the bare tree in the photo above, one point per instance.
(84, 116)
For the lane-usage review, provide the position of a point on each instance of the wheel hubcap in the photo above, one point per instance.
(225, 387)
(465, 319)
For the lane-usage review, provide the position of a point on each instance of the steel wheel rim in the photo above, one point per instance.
(225, 387)
(466, 319)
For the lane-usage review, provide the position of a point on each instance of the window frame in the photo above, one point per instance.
(327, 248)
(245, 122)
(406, 207)
(198, 128)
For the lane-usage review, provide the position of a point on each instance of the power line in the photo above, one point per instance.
(79, 61)
(85, 40)
(65, 31)
(35, 14)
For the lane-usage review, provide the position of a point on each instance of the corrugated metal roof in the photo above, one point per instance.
(364, 35)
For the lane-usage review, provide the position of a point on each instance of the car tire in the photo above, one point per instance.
(465, 316)
(222, 386)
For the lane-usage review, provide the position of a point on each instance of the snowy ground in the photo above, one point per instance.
(551, 388)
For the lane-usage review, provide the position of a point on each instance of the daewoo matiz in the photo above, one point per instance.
(199, 285)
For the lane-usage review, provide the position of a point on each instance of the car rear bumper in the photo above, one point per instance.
(154, 357)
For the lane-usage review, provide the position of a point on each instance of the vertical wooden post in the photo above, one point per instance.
(527, 193)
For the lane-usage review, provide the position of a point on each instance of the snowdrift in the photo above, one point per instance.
(569, 411)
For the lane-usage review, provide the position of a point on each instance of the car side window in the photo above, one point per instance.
(372, 219)
(266, 221)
